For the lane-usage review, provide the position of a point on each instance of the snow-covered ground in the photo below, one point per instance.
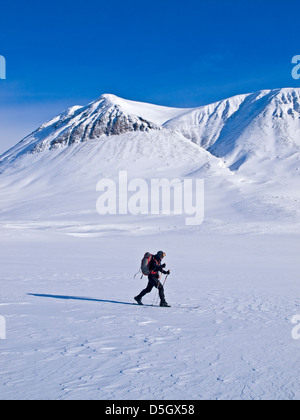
(73, 331)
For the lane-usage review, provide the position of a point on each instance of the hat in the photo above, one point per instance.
(161, 254)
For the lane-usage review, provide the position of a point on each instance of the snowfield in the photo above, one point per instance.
(73, 330)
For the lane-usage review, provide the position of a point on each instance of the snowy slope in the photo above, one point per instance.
(257, 136)
(58, 187)
(203, 125)
(252, 129)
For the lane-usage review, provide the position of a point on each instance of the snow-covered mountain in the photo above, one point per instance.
(262, 126)
(245, 147)
(259, 127)
(107, 116)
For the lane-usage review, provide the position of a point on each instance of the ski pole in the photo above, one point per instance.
(166, 279)
(155, 300)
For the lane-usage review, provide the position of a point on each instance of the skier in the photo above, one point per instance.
(155, 268)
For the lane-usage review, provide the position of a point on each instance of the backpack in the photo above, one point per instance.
(145, 264)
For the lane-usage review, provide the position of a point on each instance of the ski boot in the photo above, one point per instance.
(165, 304)
(138, 300)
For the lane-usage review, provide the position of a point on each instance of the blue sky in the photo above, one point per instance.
(175, 53)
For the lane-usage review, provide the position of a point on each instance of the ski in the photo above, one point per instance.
(152, 306)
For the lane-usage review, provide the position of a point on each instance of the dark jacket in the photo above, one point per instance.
(156, 266)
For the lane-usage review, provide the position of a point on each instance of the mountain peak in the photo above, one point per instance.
(109, 97)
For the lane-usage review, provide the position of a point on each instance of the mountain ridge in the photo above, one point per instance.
(263, 125)
(250, 161)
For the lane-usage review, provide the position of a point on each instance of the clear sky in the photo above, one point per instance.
(180, 53)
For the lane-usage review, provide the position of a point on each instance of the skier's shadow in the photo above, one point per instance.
(80, 298)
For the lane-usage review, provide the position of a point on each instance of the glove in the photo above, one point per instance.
(168, 272)
(163, 266)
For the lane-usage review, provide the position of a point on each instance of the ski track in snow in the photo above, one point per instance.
(79, 336)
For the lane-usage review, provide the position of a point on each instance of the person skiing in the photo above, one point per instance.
(155, 267)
